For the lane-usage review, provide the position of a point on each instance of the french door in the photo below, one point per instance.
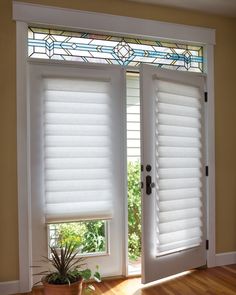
(78, 164)
(78, 159)
(173, 194)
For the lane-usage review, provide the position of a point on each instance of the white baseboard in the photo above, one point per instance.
(225, 258)
(7, 288)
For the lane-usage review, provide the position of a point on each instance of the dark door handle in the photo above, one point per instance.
(148, 185)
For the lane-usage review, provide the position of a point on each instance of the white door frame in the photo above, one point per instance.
(32, 14)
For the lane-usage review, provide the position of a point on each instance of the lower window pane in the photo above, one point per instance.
(89, 236)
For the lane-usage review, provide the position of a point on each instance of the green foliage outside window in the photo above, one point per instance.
(134, 210)
(88, 236)
(94, 237)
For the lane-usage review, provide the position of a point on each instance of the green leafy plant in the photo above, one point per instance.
(134, 210)
(68, 268)
(72, 232)
(94, 237)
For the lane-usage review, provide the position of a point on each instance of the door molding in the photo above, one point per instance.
(107, 23)
(23, 156)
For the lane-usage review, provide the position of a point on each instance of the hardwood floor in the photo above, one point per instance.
(212, 281)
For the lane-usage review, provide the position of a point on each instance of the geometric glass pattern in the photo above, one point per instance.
(125, 51)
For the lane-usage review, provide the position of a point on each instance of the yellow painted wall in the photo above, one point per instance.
(8, 180)
(225, 111)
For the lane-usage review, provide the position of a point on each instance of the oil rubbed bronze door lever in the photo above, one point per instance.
(149, 185)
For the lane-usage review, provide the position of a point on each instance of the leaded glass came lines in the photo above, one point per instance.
(125, 51)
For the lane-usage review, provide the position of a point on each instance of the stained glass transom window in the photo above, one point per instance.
(125, 51)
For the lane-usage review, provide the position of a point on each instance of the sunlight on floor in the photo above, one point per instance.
(167, 279)
(134, 286)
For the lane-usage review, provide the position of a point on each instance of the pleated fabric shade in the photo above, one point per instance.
(77, 150)
(178, 166)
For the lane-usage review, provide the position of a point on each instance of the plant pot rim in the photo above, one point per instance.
(45, 283)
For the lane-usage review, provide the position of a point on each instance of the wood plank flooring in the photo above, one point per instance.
(212, 281)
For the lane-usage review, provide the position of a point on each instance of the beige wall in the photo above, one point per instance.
(8, 182)
(225, 81)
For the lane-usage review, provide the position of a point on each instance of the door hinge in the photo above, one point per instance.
(207, 170)
(207, 244)
(206, 96)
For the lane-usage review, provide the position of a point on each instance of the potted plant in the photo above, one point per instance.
(67, 274)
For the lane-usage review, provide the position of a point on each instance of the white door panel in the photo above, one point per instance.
(77, 114)
(173, 195)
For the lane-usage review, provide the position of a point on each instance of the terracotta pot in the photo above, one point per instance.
(72, 289)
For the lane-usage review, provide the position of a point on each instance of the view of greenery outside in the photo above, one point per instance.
(89, 236)
(134, 210)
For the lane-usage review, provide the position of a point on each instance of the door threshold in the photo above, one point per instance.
(134, 269)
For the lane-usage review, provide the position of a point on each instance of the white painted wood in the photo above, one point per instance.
(100, 22)
(11, 287)
(112, 263)
(125, 257)
(210, 154)
(23, 172)
(156, 267)
(225, 258)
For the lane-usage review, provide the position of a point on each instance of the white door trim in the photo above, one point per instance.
(23, 163)
(106, 23)
(24, 14)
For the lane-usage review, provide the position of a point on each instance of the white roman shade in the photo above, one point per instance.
(178, 166)
(78, 150)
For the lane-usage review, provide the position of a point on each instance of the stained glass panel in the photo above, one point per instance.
(125, 51)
